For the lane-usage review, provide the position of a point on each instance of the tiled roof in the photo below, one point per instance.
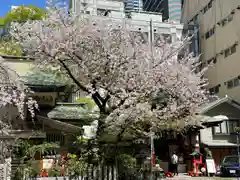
(73, 111)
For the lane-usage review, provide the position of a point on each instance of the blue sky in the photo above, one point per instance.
(5, 5)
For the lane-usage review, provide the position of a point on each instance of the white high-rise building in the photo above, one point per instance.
(148, 23)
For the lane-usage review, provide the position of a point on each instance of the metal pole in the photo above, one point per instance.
(152, 152)
(151, 36)
(238, 147)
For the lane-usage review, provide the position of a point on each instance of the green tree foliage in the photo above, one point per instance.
(20, 14)
(90, 103)
(10, 48)
(24, 13)
(2, 21)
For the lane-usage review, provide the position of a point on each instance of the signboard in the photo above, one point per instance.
(47, 163)
(211, 168)
(45, 98)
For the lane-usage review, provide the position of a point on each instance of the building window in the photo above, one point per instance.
(226, 20)
(233, 83)
(233, 49)
(230, 17)
(162, 37)
(230, 84)
(221, 128)
(103, 12)
(214, 90)
(210, 33)
(210, 5)
(229, 51)
(212, 60)
(55, 138)
(232, 124)
(85, 12)
(226, 127)
(207, 7)
(195, 18)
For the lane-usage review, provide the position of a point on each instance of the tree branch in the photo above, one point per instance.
(72, 77)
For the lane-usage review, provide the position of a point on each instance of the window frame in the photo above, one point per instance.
(228, 84)
(227, 52)
(236, 82)
(230, 18)
(229, 127)
(210, 33)
(233, 49)
(233, 83)
(215, 89)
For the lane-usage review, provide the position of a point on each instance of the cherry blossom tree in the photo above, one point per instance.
(137, 86)
(15, 98)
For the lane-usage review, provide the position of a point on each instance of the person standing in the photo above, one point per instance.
(175, 163)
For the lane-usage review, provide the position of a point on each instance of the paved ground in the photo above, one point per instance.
(185, 177)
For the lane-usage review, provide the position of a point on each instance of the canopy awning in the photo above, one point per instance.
(213, 121)
(220, 144)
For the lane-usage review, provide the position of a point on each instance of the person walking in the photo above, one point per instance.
(175, 164)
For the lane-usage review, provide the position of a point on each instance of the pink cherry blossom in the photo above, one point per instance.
(14, 98)
(101, 55)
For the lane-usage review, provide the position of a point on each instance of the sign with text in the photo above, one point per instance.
(45, 98)
(211, 169)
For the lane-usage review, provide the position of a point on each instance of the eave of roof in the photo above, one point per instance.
(218, 102)
(73, 111)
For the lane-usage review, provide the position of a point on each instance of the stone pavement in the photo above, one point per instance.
(186, 177)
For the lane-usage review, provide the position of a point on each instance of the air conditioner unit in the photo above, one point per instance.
(222, 52)
(233, 11)
(238, 7)
(236, 43)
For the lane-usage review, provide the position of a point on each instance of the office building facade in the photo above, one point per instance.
(133, 5)
(175, 9)
(170, 9)
(219, 35)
